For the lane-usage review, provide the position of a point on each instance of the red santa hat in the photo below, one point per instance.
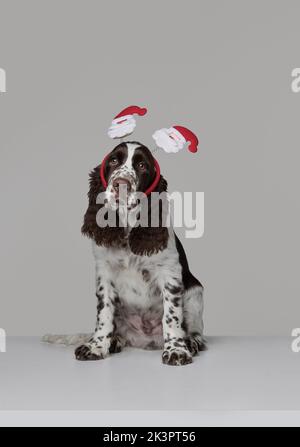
(175, 138)
(124, 123)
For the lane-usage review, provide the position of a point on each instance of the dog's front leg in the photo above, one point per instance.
(98, 347)
(175, 349)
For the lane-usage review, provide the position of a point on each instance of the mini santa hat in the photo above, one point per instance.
(175, 138)
(124, 123)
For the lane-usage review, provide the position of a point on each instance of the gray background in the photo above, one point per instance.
(222, 68)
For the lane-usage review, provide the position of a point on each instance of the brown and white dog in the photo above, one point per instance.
(147, 296)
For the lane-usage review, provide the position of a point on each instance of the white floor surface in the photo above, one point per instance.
(237, 381)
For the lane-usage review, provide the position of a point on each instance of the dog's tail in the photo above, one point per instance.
(67, 340)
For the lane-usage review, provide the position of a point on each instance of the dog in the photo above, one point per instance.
(146, 295)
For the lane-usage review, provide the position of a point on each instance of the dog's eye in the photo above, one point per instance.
(113, 161)
(141, 166)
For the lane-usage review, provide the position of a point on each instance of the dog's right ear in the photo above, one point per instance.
(107, 236)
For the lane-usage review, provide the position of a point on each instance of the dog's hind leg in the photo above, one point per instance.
(193, 319)
(117, 344)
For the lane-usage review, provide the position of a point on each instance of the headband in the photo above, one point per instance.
(171, 139)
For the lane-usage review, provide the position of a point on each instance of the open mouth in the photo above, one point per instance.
(121, 187)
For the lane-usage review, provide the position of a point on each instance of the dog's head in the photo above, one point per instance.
(130, 165)
(130, 168)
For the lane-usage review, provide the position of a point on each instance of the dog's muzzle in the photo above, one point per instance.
(151, 187)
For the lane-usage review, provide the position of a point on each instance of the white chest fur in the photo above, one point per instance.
(137, 279)
(132, 275)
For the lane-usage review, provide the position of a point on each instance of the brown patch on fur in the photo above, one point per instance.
(108, 236)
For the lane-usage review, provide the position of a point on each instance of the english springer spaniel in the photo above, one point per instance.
(147, 296)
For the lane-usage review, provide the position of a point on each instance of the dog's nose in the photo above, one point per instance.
(119, 182)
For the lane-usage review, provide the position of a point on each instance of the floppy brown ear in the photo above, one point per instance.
(150, 240)
(107, 236)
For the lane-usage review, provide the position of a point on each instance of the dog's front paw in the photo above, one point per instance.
(89, 352)
(176, 357)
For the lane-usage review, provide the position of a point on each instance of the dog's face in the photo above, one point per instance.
(128, 168)
(133, 165)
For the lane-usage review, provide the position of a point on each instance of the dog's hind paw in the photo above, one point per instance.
(195, 343)
(117, 344)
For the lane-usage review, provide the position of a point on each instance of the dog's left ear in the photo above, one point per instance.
(106, 236)
(150, 240)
